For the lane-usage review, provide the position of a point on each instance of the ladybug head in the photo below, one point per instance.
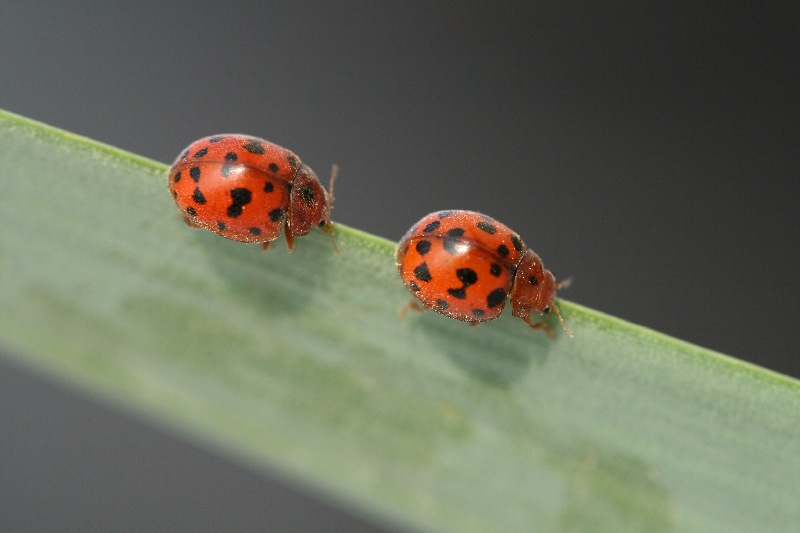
(534, 289)
(309, 203)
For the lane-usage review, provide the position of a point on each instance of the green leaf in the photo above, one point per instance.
(297, 363)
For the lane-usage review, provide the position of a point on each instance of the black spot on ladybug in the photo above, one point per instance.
(240, 197)
(432, 226)
(422, 273)
(221, 225)
(404, 251)
(227, 170)
(200, 153)
(215, 139)
(194, 172)
(268, 187)
(444, 214)
(274, 167)
(293, 162)
(231, 156)
(177, 177)
(478, 312)
(289, 187)
(198, 197)
(488, 228)
(254, 231)
(517, 242)
(174, 193)
(533, 280)
(495, 269)
(423, 247)
(191, 212)
(254, 147)
(307, 194)
(184, 154)
(455, 232)
(503, 250)
(496, 297)
(276, 214)
(461, 294)
(413, 286)
(468, 277)
(442, 304)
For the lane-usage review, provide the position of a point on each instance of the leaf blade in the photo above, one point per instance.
(298, 363)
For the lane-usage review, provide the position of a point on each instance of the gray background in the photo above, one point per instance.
(649, 153)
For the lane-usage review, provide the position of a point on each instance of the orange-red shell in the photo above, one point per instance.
(245, 189)
(465, 265)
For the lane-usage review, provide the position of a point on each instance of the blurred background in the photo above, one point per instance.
(651, 153)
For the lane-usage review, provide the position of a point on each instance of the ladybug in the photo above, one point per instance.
(246, 189)
(465, 265)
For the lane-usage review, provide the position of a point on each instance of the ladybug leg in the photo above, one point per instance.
(561, 320)
(547, 329)
(191, 223)
(411, 305)
(540, 325)
(328, 228)
(287, 232)
(289, 240)
(265, 245)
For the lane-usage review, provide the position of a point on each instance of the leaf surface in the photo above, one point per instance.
(298, 364)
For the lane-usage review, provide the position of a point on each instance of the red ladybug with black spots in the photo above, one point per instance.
(248, 190)
(465, 265)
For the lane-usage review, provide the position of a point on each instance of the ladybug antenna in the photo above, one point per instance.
(561, 320)
(334, 173)
(563, 284)
(329, 225)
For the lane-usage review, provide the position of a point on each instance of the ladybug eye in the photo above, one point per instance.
(546, 310)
